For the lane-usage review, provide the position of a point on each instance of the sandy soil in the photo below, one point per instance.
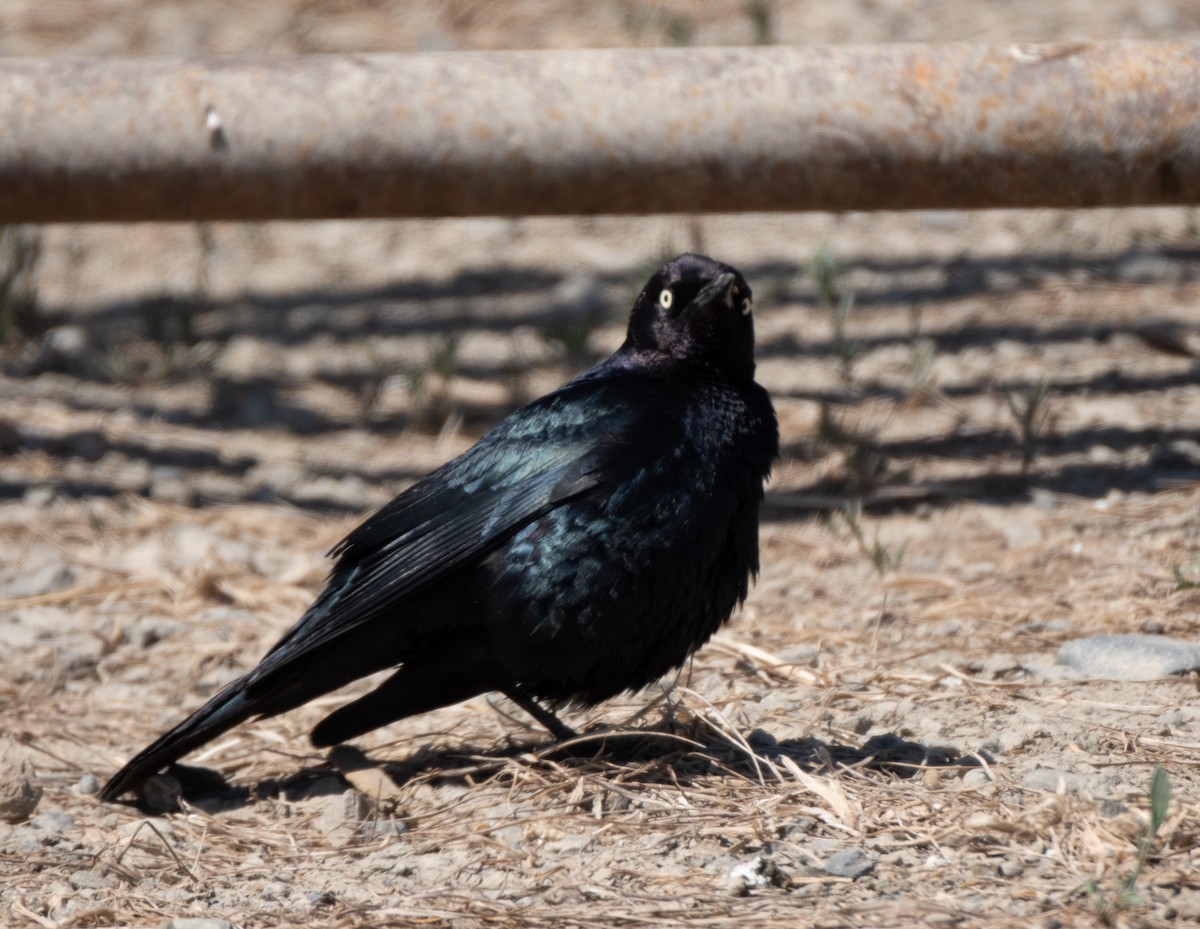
(881, 737)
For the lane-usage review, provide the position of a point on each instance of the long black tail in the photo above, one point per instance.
(224, 711)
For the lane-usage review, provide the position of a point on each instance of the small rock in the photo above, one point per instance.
(20, 792)
(22, 840)
(1130, 657)
(275, 891)
(757, 873)
(976, 778)
(88, 784)
(344, 813)
(849, 862)
(53, 822)
(90, 880)
(148, 631)
(1185, 905)
(1053, 780)
(46, 579)
(808, 656)
(1110, 808)
(377, 827)
(1010, 867)
(800, 826)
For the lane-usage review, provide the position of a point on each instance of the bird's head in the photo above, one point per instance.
(695, 309)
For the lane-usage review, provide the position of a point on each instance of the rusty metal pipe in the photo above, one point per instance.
(618, 131)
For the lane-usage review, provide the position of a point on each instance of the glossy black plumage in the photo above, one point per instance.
(584, 547)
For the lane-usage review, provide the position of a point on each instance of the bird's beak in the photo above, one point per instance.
(720, 288)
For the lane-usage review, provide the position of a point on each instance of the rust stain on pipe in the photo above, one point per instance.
(606, 131)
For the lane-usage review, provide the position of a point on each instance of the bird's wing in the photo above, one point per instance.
(530, 464)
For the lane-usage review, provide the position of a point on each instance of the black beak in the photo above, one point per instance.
(718, 290)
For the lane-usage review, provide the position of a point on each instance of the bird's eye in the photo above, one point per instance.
(666, 298)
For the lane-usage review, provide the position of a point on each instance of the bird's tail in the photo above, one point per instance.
(224, 711)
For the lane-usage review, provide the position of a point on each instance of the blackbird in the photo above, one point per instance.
(583, 547)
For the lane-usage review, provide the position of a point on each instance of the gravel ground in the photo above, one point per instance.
(999, 454)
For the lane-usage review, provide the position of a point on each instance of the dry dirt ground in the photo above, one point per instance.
(1000, 452)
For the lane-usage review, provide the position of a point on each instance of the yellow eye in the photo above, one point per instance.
(666, 298)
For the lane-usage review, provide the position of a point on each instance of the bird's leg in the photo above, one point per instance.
(557, 727)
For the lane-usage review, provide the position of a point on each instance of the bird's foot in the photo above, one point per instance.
(557, 728)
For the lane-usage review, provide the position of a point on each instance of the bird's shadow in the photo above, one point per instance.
(650, 756)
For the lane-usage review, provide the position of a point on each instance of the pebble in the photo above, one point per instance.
(88, 784)
(849, 862)
(53, 822)
(44, 580)
(90, 880)
(1130, 657)
(20, 791)
(824, 846)
(1185, 905)
(275, 890)
(148, 631)
(756, 874)
(806, 655)
(345, 812)
(1010, 867)
(1054, 780)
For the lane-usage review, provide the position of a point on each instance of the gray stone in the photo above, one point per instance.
(90, 880)
(22, 840)
(1054, 780)
(276, 890)
(849, 862)
(46, 579)
(344, 813)
(1130, 657)
(53, 822)
(20, 791)
(801, 826)
(757, 873)
(88, 784)
(1185, 905)
(148, 631)
(806, 655)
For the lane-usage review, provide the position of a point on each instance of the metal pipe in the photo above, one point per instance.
(616, 131)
